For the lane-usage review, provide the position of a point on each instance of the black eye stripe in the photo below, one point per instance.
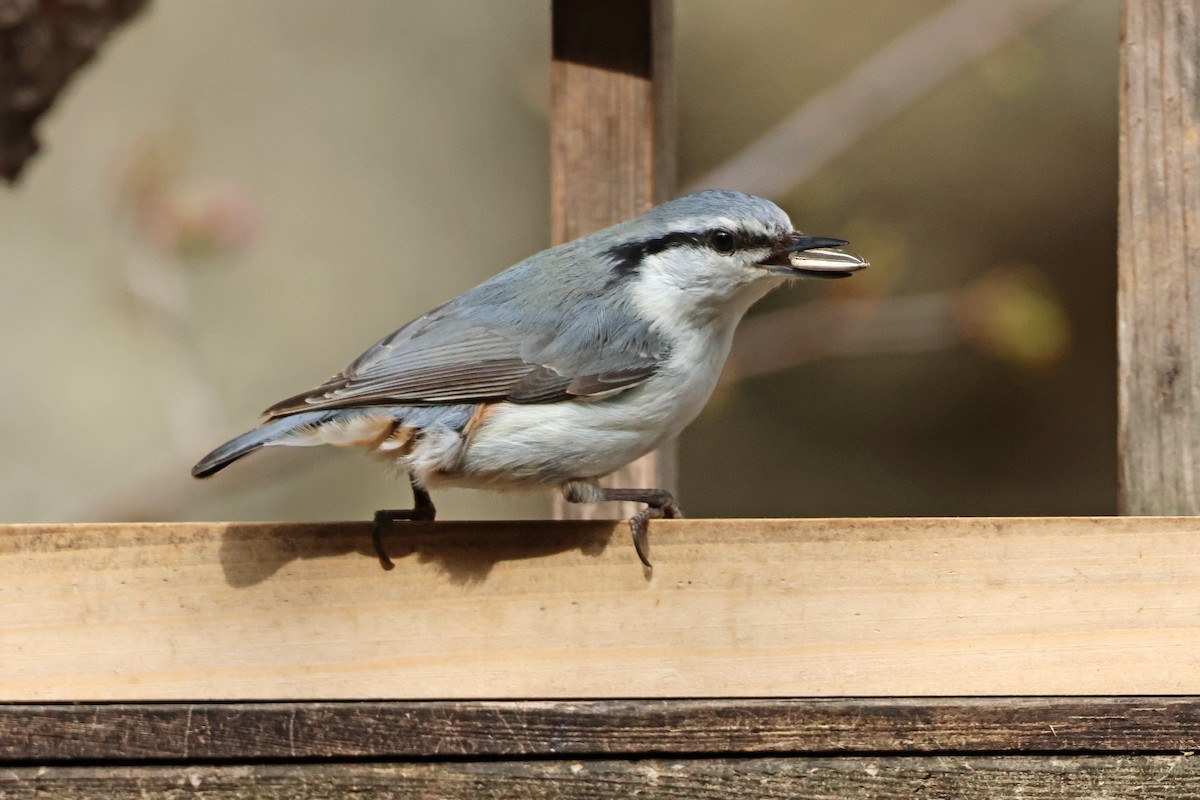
(742, 238)
(751, 241)
(627, 258)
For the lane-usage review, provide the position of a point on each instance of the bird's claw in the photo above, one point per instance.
(383, 524)
(638, 526)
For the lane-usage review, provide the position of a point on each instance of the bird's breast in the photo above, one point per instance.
(553, 442)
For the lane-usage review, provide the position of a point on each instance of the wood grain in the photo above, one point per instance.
(612, 151)
(886, 778)
(1158, 253)
(208, 732)
(735, 608)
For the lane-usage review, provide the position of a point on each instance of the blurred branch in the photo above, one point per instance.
(1010, 313)
(780, 340)
(177, 226)
(158, 290)
(889, 82)
(42, 45)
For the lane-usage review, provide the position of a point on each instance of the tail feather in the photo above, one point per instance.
(250, 441)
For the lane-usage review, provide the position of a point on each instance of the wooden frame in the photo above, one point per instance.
(400, 730)
(1158, 331)
(1011, 607)
(612, 149)
(1046, 747)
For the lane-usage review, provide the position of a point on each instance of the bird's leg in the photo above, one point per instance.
(659, 503)
(422, 511)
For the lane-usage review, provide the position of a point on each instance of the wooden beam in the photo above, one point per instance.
(397, 730)
(1159, 255)
(749, 608)
(865, 778)
(612, 146)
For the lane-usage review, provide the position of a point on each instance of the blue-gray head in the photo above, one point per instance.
(716, 249)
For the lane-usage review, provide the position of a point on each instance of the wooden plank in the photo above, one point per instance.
(733, 608)
(206, 732)
(1159, 250)
(612, 148)
(884, 778)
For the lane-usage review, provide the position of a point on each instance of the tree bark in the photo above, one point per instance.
(43, 43)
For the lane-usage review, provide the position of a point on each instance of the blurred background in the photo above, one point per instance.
(236, 198)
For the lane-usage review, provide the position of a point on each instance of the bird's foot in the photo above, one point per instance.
(638, 524)
(422, 511)
(659, 504)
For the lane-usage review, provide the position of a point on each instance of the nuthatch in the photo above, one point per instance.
(565, 366)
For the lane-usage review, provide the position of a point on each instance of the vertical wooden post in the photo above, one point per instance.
(1159, 258)
(611, 140)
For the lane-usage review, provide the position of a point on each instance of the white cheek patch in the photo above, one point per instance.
(684, 287)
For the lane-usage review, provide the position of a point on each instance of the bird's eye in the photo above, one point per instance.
(722, 241)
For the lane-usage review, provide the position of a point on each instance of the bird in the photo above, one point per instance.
(562, 368)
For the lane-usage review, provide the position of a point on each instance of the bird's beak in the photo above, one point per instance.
(813, 256)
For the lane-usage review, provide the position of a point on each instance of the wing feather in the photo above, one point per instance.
(453, 356)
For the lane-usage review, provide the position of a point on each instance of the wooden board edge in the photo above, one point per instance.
(217, 732)
(862, 778)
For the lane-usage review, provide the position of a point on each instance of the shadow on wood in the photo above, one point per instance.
(466, 555)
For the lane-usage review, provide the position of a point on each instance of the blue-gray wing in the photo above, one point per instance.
(458, 355)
